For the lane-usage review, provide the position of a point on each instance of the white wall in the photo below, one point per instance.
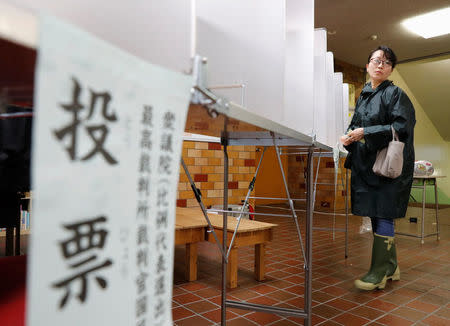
(428, 143)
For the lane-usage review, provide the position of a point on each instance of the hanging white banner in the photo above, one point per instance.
(107, 139)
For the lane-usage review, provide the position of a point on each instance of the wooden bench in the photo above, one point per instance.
(249, 233)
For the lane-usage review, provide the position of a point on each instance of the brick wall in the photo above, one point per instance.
(205, 164)
(352, 75)
(325, 196)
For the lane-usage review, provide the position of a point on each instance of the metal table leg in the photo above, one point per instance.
(424, 196)
(346, 213)
(309, 229)
(437, 209)
(225, 226)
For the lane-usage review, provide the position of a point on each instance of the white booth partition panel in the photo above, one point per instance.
(155, 31)
(244, 42)
(331, 102)
(339, 110)
(345, 106)
(320, 86)
(299, 66)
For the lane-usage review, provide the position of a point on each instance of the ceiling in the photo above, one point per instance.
(350, 24)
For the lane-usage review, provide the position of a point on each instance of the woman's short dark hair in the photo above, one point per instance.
(388, 53)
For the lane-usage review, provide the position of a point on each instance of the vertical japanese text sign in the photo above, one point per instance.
(106, 152)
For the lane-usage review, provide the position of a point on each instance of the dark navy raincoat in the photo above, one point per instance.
(376, 110)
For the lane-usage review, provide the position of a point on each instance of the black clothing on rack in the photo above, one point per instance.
(15, 157)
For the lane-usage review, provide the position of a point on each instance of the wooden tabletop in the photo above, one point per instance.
(189, 217)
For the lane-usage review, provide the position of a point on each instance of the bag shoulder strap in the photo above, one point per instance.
(394, 134)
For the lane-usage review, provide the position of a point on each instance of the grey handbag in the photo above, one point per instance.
(389, 161)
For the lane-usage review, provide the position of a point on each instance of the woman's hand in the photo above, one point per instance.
(345, 140)
(356, 135)
(352, 136)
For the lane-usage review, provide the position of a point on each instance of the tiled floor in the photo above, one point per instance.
(421, 297)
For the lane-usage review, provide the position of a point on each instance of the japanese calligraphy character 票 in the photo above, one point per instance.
(96, 132)
(85, 240)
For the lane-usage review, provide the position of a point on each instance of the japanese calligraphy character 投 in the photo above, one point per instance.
(97, 132)
(79, 251)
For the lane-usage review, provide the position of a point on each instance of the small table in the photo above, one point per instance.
(421, 182)
(191, 228)
(249, 233)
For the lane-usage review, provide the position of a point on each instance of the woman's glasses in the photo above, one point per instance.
(377, 62)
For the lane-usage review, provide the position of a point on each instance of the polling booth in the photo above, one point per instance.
(137, 27)
(331, 100)
(339, 103)
(320, 86)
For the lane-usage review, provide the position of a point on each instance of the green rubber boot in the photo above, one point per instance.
(380, 265)
(393, 271)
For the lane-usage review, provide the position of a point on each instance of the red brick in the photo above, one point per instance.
(298, 158)
(249, 162)
(181, 203)
(216, 146)
(201, 125)
(329, 164)
(343, 192)
(233, 185)
(200, 177)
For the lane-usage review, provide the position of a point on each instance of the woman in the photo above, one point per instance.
(380, 106)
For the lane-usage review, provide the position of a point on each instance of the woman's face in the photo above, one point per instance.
(379, 68)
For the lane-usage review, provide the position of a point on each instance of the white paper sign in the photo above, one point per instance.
(107, 139)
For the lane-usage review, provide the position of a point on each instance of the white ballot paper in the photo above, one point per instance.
(107, 139)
